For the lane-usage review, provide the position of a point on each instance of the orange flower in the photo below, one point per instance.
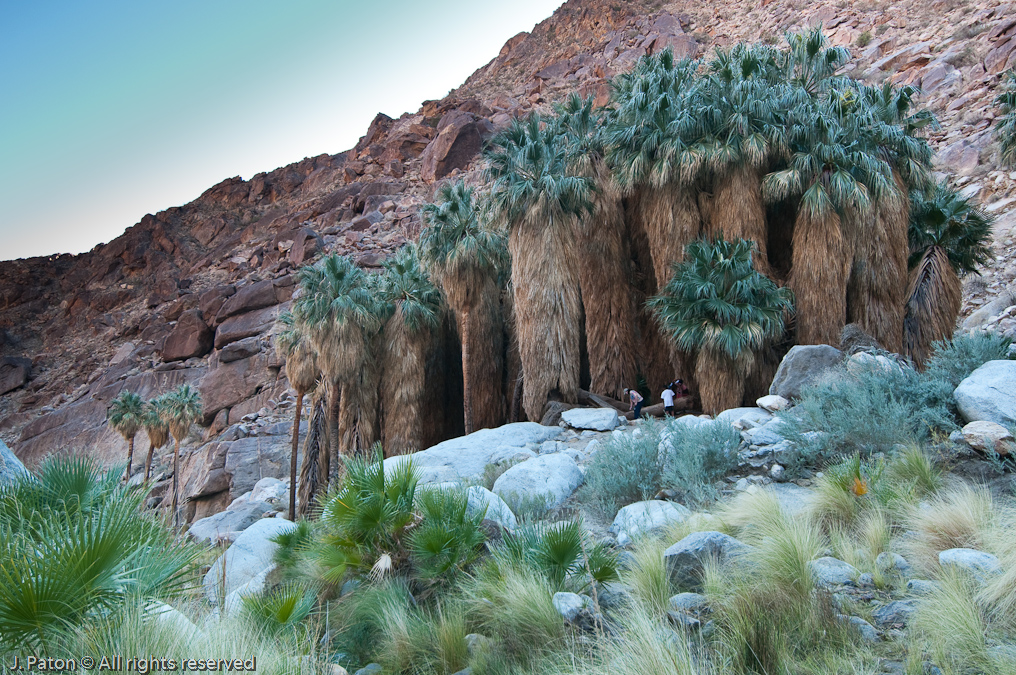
(860, 487)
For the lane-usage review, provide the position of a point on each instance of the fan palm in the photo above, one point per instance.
(1005, 127)
(466, 259)
(949, 236)
(537, 197)
(717, 305)
(182, 408)
(415, 307)
(604, 277)
(126, 416)
(294, 345)
(811, 64)
(341, 317)
(155, 428)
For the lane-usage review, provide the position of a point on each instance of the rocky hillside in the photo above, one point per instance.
(191, 294)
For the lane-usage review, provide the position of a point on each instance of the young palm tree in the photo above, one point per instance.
(949, 236)
(466, 259)
(415, 306)
(604, 277)
(718, 305)
(315, 446)
(126, 416)
(293, 344)
(1005, 127)
(341, 317)
(155, 428)
(182, 409)
(537, 197)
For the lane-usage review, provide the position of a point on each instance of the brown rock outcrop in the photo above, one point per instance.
(189, 338)
(14, 372)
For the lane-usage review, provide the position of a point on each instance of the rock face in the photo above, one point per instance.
(644, 518)
(686, 559)
(553, 477)
(190, 337)
(465, 458)
(803, 366)
(987, 394)
(459, 139)
(228, 524)
(10, 466)
(248, 556)
(989, 437)
(14, 372)
(594, 419)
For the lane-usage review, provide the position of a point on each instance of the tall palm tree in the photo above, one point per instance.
(182, 409)
(1005, 127)
(466, 259)
(718, 305)
(155, 428)
(949, 236)
(537, 197)
(604, 275)
(336, 306)
(126, 416)
(293, 344)
(415, 312)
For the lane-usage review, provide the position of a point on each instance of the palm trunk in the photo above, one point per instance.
(292, 459)
(818, 278)
(403, 386)
(176, 483)
(670, 216)
(310, 475)
(130, 456)
(738, 212)
(333, 447)
(934, 299)
(148, 461)
(721, 382)
(467, 380)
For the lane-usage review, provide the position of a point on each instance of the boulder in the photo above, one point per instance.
(594, 419)
(229, 523)
(465, 458)
(459, 140)
(772, 403)
(172, 618)
(245, 325)
(767, 434)
(248, 556)
(491, 506)
(987, 394)
(257, 585)
(978, 564)
(893, 562)
(10, 466)
(270, 490)
(644, 518)
(828, 572)
(555, 477)
(190, 337)
(14, 372)
(744, 418)
(241, 349)
(570, 605)
(686, 559)
(864, 629)
(989, 437)
(897, 613)
(688, 602)
(248, 298)
(922, 586)
(803, 366)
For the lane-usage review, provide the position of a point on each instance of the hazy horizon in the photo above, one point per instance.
(114, 110)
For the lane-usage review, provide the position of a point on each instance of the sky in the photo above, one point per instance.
(110, 110)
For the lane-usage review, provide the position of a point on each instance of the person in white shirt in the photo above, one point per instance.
(635, 402)
(668, 401)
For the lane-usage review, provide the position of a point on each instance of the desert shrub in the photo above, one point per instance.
(864, 39)
(281, 609)
(359, 620)
(1005, 127)
(953, 360)
(561, 553)
(694, 457)
(75, 546)
(625, 470)
(448, 538)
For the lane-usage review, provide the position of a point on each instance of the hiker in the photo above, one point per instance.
(668, 400)
(635, 402)
(679, 388)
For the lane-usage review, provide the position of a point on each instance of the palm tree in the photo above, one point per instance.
(415, 307)
(466, 259)
(1005, 127)
(718, 305)
(604, 277)
(294, 345)
(341, 317)
(537, 198)
(949, 236)
(182, 409)
(156, 429)
(126, 416)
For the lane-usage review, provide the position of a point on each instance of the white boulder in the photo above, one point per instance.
(648, 517)
(772, 403)
(554, 477)
(988, 395)
(594, 419)
(248, 556)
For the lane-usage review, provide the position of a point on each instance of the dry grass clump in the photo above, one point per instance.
(647, 575)
(960, 517)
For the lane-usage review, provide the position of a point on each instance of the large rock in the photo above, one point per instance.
(772, 403)
(988, 395)
(767, 434)
(246, 325)
(233, 382)
(229, 523)
(10, 466)
(248, 556)
(803, 366)
(744, 418)
(249, 298)
(976, 563)
(829, 572)
(190, 337)
(459, 139)
(554, 477)
(14, 372)
(465, 458)
(644, 518)
(569, 605)
(594, 419)
(897, 613)
(989, 437)
(482, 500)
(686, 559)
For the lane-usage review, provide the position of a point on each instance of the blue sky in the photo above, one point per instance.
(110, 110)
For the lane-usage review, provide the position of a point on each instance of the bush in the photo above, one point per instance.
(953, 360)
(279, 610)
(695, 457)
(559, 552)
(448, 538)
(864, 39)
(624, 470)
